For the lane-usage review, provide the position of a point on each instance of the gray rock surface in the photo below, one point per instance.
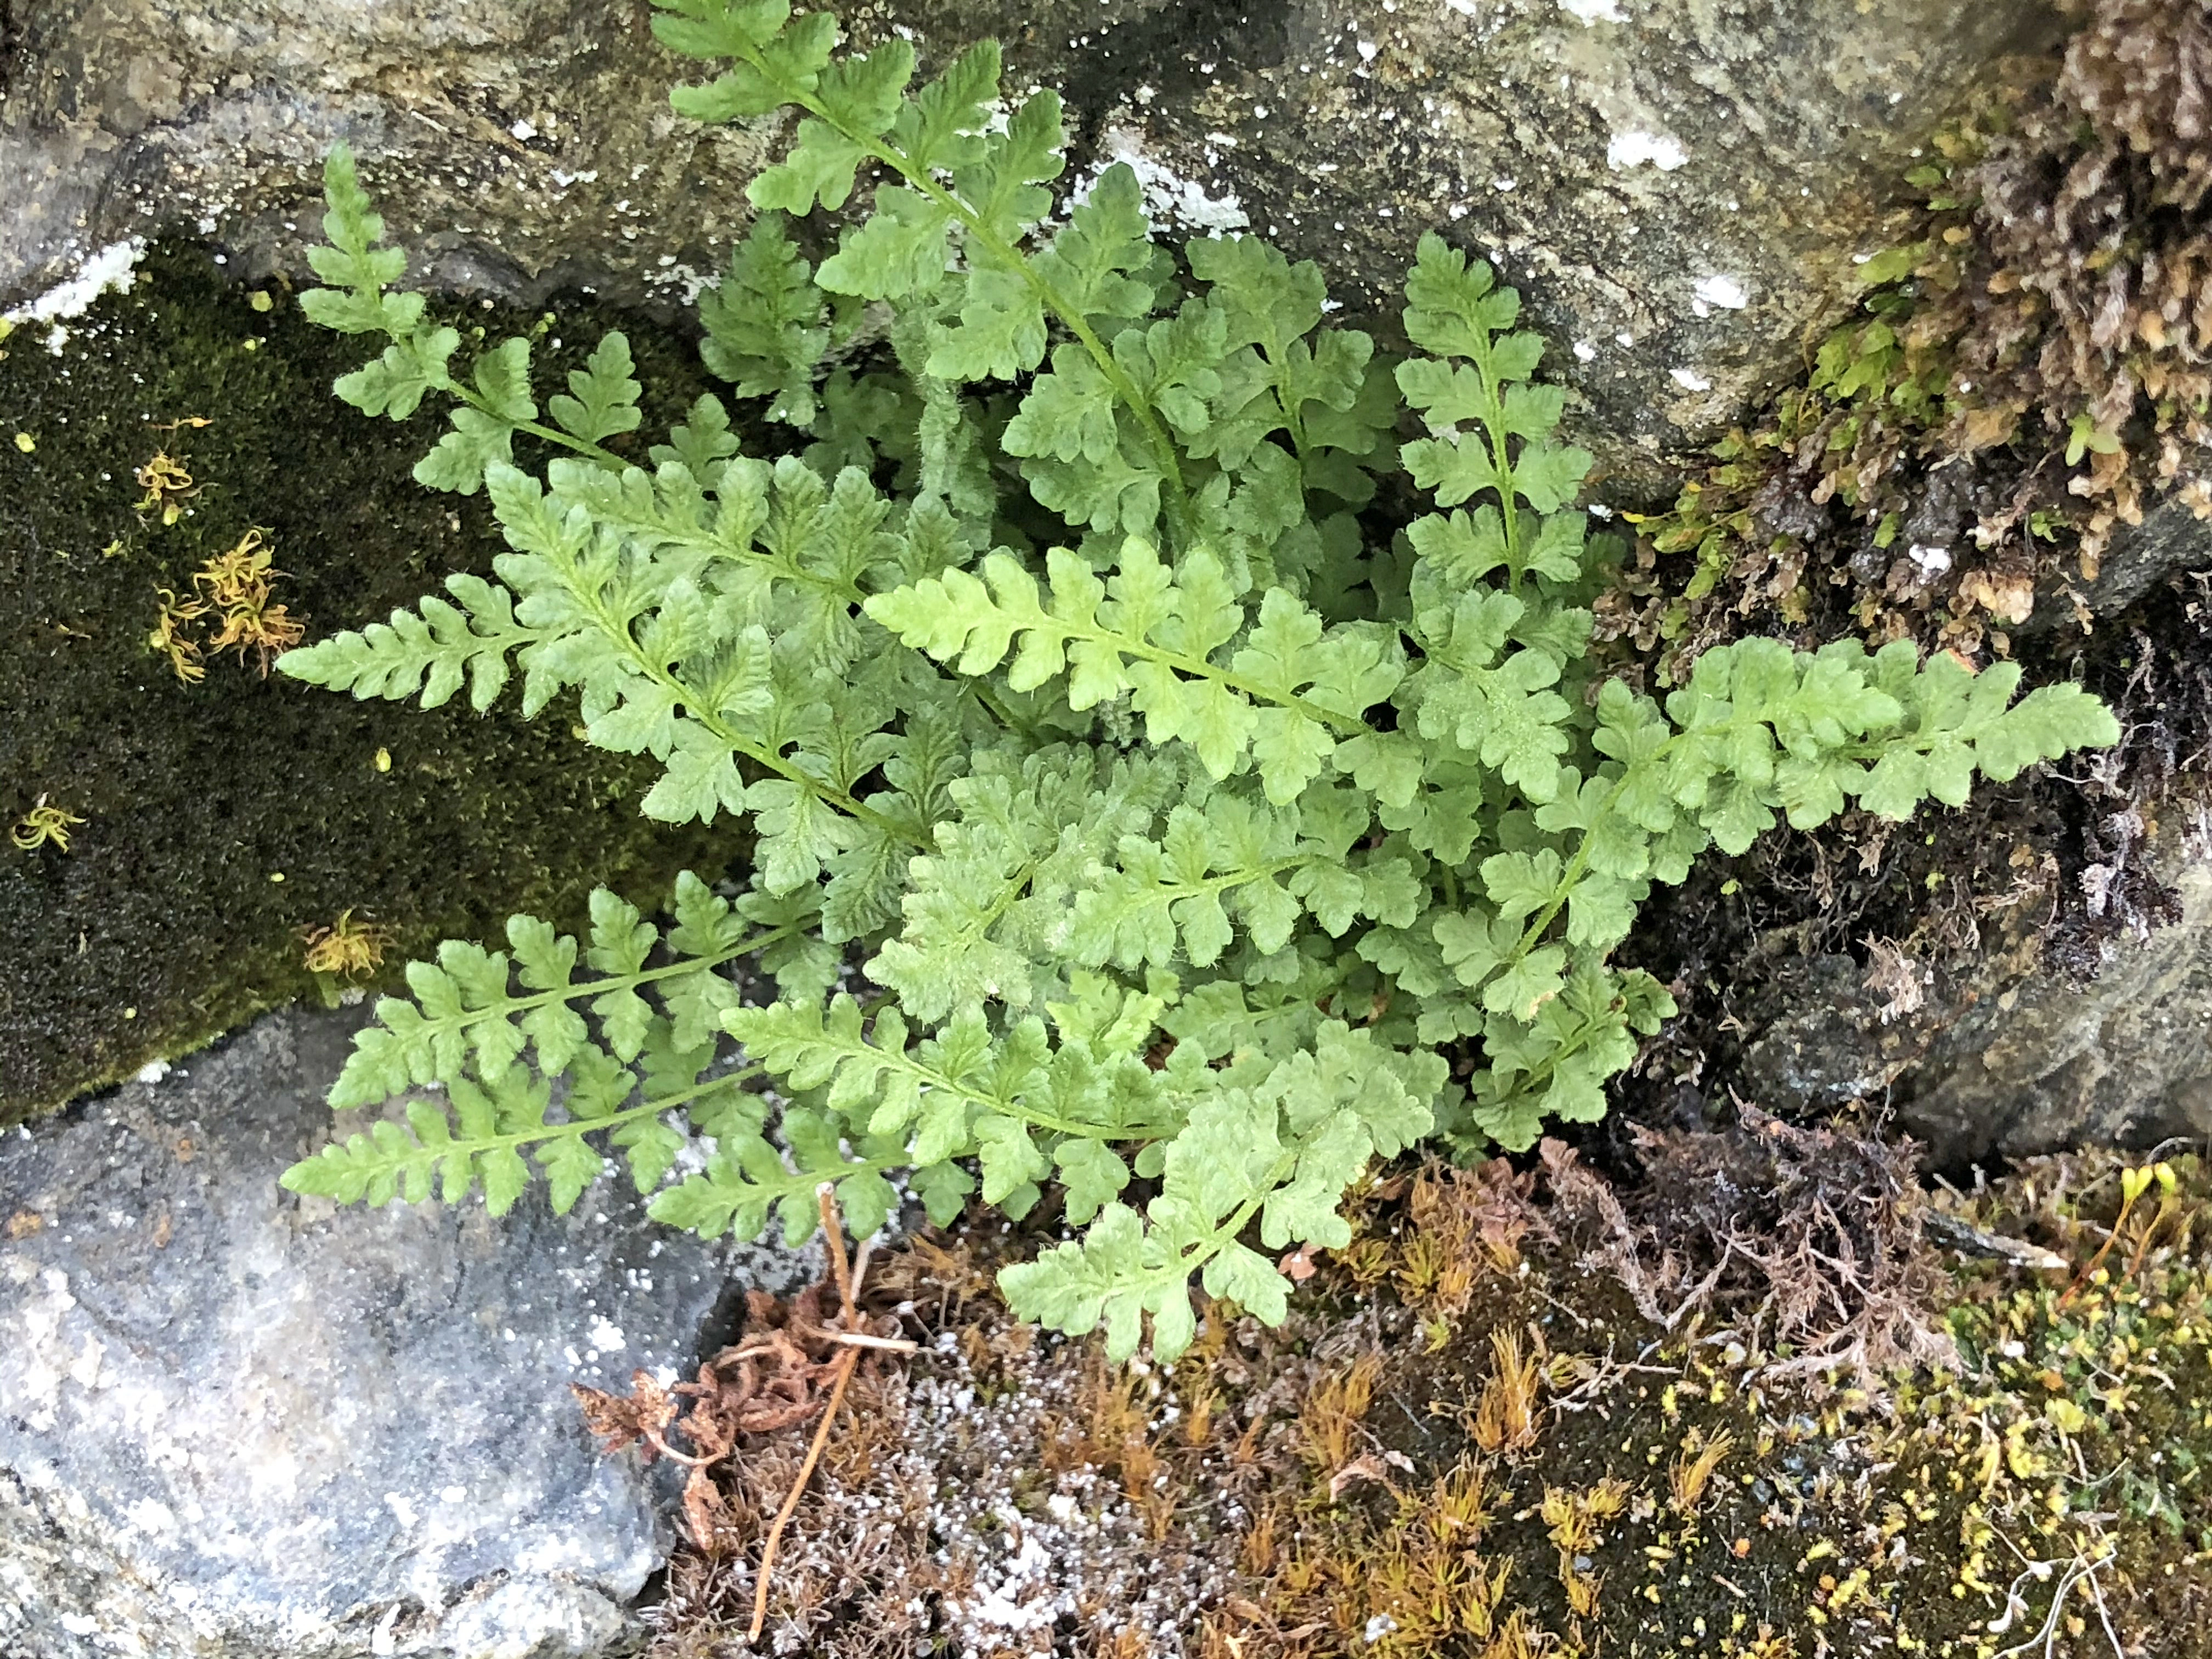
(2043, 1063)
(2018, 1057)
(1675, 183)
(234, 1422)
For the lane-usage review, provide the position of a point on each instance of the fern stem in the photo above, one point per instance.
(536, 429)
(1198, 668)
(1183, 1267)
(685, 1097)
(1010, 1106)
(1493, 422)
(581, 1127)
(1221, 883)
(1531, 1083)
(513, 1006)
(774, 762)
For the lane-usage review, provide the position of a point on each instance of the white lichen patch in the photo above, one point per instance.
(1593, 11)
(1689, 380)
(1171, 199)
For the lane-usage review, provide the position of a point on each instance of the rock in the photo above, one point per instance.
(2170, 538)
(1827, 1047)
(1678, 185)
(525, 145)
(2016, 1055)
(2038, 1062)
(236, 1423)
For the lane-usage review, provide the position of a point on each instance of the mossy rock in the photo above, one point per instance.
(220, 819)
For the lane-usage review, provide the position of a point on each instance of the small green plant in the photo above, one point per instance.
(1135, 811)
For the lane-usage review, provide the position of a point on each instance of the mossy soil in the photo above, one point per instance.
(220, 819)
(1355, 1482)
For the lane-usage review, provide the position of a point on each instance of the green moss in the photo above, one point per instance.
(221, 818)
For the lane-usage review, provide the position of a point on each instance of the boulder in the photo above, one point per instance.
(237, 1423)
(1677, 184)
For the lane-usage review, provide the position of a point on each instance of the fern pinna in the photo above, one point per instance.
(1133, 812)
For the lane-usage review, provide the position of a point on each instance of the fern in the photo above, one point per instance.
(1130, 821)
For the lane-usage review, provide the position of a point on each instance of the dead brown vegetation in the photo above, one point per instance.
(1807, 1242)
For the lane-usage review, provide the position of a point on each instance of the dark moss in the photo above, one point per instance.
(165, 921)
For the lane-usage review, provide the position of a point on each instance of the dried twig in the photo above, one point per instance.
(833, 1240)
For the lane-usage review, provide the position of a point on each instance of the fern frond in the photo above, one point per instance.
(476, 1011)
(1277, 704)
(1235, 821)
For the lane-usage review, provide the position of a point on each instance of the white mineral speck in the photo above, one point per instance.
(605, 1336)
(1725, 292)
(1630, 149)
(1689, 380)
(1585, 352)
(1589, 11)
